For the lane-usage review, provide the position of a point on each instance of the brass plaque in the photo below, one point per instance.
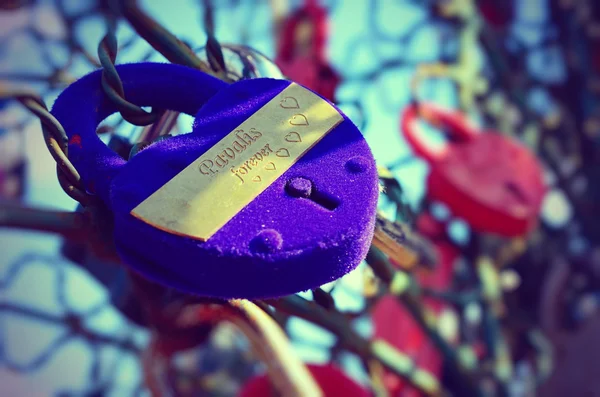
(203, 197)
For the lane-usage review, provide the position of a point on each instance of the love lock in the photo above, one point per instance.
(273, 192)
(492, 181)
(301, 55)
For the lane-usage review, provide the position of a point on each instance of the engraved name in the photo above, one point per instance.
(240, 144)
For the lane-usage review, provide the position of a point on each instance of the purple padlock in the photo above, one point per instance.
(310, 226)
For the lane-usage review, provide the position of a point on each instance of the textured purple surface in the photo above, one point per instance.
(276, 245)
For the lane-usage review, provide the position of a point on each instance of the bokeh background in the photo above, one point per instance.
(61, 335)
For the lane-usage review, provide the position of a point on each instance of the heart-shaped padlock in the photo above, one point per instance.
(304, 60)
(493, 182)
(312, 224)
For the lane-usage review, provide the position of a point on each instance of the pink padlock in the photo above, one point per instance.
(306, 62)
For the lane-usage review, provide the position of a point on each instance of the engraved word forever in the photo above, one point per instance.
(204, 196)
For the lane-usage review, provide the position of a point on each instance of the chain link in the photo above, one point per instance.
(56, 141)
(214, 52)
(113, 86)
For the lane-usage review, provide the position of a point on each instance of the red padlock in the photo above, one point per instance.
(303, 59)
(490, 180)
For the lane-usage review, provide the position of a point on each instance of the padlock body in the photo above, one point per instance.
(492, 182)
(315, 245)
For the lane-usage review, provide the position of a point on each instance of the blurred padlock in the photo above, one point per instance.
(490, 180)
(301, 53)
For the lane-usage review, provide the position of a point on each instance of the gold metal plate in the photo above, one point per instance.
(203, 197)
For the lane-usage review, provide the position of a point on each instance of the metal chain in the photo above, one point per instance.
(113, 86)
(56, 141)
(162, 40)
(54, 133)
(214, 52)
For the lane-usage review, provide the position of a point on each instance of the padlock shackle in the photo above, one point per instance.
(317, 15)
(82, 106)
(455, 122)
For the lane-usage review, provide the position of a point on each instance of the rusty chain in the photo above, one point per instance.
(112, 85)
(56, 141)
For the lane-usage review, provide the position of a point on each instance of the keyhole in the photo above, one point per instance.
(516, 192)
(324, 200)
(304, 188)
